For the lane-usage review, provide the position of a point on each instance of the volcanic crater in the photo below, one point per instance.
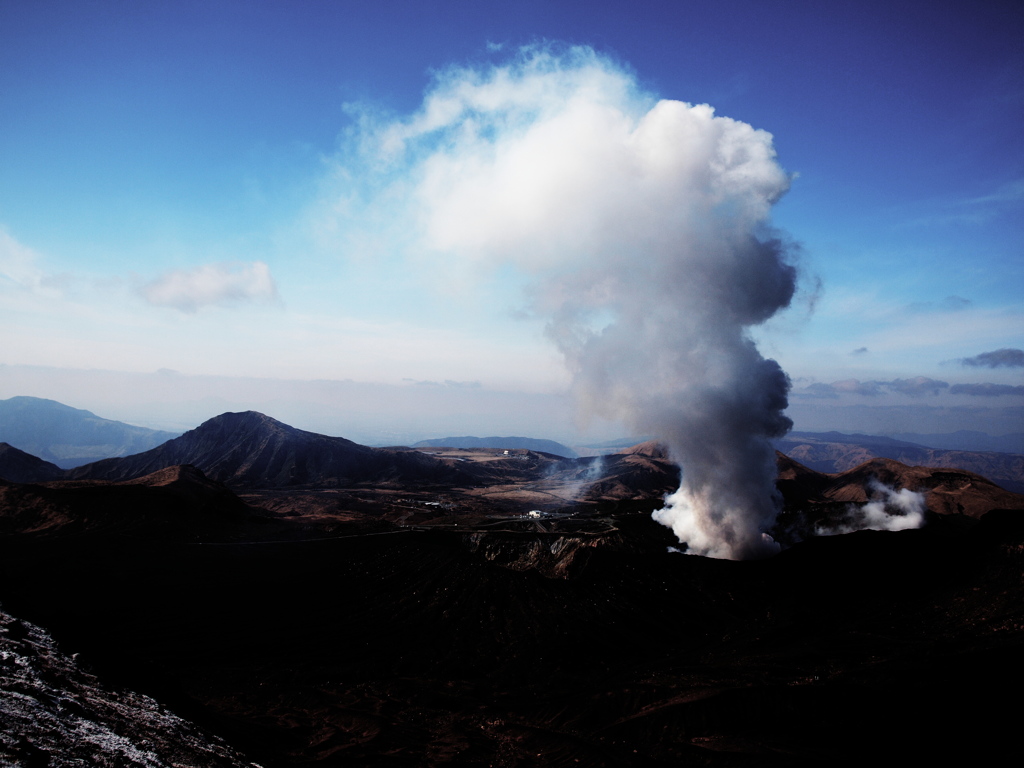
(315, 603)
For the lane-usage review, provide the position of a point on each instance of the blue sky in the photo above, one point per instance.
(187, 186)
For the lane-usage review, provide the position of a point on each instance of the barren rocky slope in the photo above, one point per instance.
(53, 713)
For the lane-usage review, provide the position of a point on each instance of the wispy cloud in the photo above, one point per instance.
(856, 387)
(986, 390)
(1009, 193)
(19, 268)
(999, 358)
(212, 285)
(948, 304)
(979, 209)
(915, 387)
(445, 383)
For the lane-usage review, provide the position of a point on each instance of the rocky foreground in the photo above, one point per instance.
(527, 643)
(54, 713)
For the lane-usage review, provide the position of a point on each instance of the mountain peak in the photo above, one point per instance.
(251, 449)
(246, 425)
(237, 419)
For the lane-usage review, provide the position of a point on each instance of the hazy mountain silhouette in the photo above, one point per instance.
(966, 440)
(70, 437)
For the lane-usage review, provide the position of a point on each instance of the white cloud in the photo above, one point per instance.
(1011, 192)
(19, 268)
(554, 161)
(212, 285)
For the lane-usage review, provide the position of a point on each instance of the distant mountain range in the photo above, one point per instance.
(837, 452)
(506, 443)
(966, 440)
(253, 450)
(70, 437)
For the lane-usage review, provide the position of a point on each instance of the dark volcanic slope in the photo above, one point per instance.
(411, 650)
(20, 467)
(176, 503)
(641, 471)
(252, 450)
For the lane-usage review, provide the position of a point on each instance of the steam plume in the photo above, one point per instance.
(644, 226)
(582, 479)
(888, 510)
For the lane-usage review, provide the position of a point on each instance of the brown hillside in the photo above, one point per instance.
(174, 503)
(947, 490)
(1004, 469)
(651, 448)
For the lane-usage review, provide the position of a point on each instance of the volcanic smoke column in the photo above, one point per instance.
(643, 224)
